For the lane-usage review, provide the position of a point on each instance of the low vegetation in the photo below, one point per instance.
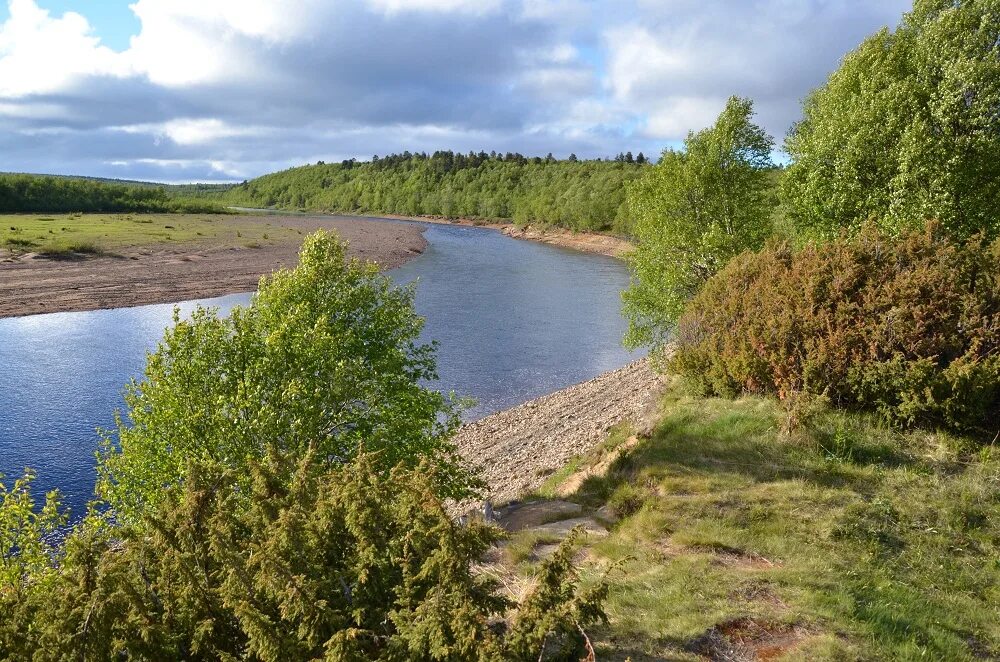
(842, 539)
(68, 234)
(575, 194)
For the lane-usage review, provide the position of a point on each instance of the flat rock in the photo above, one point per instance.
(563, 527)
(518, 517)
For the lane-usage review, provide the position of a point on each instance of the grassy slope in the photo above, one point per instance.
(105, 233)
(843, 540)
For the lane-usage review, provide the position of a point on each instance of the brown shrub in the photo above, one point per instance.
(907, 327)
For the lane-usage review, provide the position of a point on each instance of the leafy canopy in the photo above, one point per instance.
(326, 356)
(907, 129)
(693, 211)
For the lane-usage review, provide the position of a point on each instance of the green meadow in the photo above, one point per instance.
(61, 234)
(842, 539)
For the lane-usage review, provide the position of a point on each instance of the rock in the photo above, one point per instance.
(562, 528)
(528, 515)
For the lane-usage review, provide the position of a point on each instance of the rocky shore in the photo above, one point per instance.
(516, 449)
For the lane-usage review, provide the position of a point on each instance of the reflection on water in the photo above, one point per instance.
(514, 320)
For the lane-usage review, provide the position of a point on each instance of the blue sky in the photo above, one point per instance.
(111, 19)
(221, 90)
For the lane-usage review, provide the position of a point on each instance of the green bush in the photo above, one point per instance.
(342, 563)
(326, 354)
(907, 327)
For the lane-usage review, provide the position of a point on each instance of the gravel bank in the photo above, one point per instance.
(516, 449)
(170, 273)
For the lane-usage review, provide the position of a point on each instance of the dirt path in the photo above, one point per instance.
(165, 273)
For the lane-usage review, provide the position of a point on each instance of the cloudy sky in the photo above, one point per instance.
(204, 90)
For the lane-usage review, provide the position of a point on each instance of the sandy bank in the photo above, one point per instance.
(516, 450)
(166, 273)
(590, 242)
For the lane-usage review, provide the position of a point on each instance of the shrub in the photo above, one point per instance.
(327, 354)
(338, 563)
(908, 327)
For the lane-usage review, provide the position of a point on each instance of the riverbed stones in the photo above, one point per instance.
(516, 449)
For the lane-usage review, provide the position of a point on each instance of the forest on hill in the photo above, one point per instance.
(572, 193)
(52, 193)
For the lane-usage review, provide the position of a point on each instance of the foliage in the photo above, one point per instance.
(693, 211)
(325, 354)
(340, 562)
(907, 327)
(848, 540)
(581, 195)
(906, 130)
(36, 193)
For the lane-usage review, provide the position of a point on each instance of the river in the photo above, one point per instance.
(513, 319)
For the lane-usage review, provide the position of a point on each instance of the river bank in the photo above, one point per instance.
(589, 242)
(165, 272)
(516, 450)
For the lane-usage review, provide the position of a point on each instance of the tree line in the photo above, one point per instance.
(572, 193)
(40, 193)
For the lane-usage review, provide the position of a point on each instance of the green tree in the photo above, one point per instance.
(325, 354)
(906, 130)
(693, 211)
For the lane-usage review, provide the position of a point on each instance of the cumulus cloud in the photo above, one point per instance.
(40, 53)
(228, 89)
(684, 58)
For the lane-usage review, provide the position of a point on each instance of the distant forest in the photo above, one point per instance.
(47, 193)
(572, 193)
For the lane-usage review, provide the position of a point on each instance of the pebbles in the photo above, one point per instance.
(515, 450)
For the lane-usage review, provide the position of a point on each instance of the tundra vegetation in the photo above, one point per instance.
(113, 233)
(822, 481)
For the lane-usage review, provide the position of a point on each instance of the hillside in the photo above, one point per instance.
(51, 193)
(579, 195)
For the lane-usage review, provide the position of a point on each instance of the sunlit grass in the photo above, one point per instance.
(69, 234)
(867, 542)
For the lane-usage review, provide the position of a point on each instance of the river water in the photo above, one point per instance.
(513, 319)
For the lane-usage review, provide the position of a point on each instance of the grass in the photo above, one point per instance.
(843, 540)
(67, 234)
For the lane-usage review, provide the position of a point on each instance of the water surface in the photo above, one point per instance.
(514, 320)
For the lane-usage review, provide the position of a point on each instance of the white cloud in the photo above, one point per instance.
(464, 6)
(682, 59)
(39, 53)
(193, 131)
